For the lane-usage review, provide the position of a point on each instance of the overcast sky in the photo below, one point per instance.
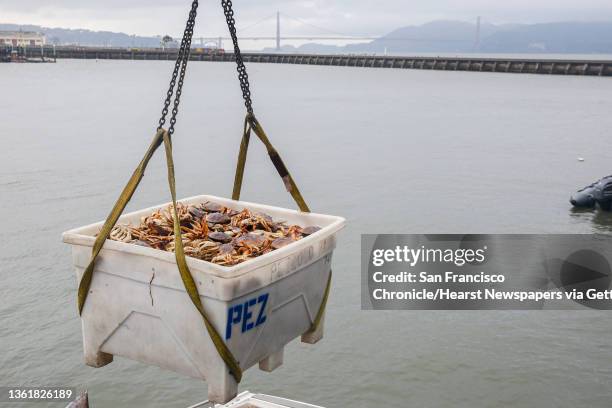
(358, 17)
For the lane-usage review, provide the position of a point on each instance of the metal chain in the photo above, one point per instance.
(242, 73)
(180, 68)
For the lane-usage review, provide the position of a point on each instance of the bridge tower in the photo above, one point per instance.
(477, 39)
(278, 32)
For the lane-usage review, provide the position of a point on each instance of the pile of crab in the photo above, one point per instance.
(213, 233)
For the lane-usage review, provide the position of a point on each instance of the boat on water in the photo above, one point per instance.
(599, 193)
(13, 55)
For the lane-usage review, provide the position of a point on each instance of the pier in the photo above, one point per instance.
(20, 55)
(503, 65)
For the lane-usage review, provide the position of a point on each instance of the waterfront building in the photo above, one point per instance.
(22, 38)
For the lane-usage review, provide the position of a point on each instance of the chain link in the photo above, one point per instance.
(242, 73)
(180, 68)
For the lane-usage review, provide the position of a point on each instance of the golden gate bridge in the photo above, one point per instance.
(330, 35)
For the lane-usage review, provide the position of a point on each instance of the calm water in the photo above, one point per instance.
(392, 151)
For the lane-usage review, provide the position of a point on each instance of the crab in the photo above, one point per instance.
(201, 249)
(294, 232)
(121, 233)
(198, 230)
(157, 224)
(212, 232)
(243, 217)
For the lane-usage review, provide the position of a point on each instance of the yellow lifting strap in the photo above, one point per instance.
(187, 278)
(188, 281)
(112, 218)
(252, 124)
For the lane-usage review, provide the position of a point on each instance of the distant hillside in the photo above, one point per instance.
(460, 37)
(434, 37)
(437, 36)
(63, 36)
(576, 38)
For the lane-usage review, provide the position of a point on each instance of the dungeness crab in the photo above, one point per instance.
(213, 233)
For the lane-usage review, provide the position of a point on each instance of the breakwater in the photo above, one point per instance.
(508, 65)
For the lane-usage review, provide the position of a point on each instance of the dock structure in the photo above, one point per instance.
(505, 65)
(19, 54)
